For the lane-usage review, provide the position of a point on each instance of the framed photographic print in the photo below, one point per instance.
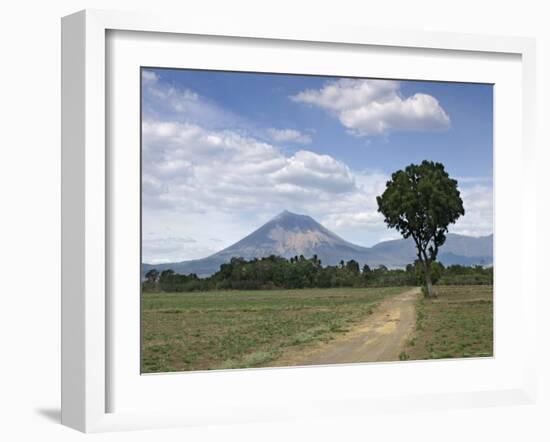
(276, 223)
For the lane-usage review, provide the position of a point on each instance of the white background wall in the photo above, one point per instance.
(30, 215)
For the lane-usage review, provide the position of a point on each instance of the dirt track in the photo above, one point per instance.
(380, 337)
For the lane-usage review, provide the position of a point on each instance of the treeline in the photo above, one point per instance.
(275, 272)
(466, 275)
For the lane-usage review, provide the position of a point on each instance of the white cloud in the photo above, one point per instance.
(158, 249)
(478, 208)
(356, 216)
(375, 107)
(313, 171)
(354, 219)
(148, 77)
(288, 135)
(189, 167)
(167, 102)
(474, 179)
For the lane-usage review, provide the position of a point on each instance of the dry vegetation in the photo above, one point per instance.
(239, 329)
(457, 324)
(234, 329)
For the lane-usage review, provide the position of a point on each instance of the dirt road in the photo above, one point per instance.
(380, 337)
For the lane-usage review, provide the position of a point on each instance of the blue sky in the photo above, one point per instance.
(224, 152)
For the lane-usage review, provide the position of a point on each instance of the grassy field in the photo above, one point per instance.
(233, 329)
(457, 324)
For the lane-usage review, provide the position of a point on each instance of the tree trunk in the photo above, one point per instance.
(429, 283)
(428, 274)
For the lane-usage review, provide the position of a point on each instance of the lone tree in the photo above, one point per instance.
(420, 202)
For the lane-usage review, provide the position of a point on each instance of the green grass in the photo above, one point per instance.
(238, 329)
(457, 324)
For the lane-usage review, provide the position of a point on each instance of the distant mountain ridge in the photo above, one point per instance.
(290, 234)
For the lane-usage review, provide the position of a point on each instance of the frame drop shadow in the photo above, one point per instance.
(51, 414)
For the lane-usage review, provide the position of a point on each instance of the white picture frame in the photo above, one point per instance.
(87, 205)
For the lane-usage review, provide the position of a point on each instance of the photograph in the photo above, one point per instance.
(299, 220)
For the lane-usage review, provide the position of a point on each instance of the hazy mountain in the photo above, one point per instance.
(290, 234)
(458, 249)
